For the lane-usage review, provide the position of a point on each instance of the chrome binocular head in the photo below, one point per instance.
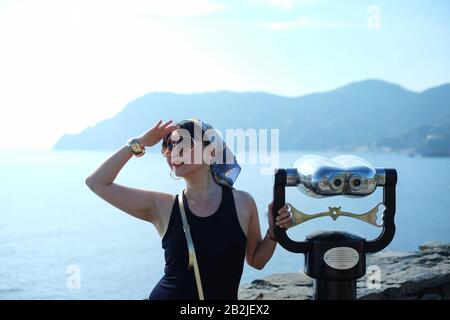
(346, 175)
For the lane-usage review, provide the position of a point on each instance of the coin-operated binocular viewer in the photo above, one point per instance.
(336, 259)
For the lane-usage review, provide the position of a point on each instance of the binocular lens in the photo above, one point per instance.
(356, 182)
(337, 183)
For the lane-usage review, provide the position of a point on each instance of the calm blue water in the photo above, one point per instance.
(49, 220)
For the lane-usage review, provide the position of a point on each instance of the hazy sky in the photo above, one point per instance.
(65, 65)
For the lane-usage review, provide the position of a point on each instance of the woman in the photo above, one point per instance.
(223, 221)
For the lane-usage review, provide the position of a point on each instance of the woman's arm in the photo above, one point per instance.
(260, 250)
(141, 204)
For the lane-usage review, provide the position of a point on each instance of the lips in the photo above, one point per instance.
(177, 164)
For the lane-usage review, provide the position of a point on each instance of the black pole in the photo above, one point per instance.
(334, 290)
(336, 260)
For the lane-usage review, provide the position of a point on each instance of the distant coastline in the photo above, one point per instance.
(371, 115)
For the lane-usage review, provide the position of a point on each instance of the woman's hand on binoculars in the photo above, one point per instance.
(155, 134)
(284, 217)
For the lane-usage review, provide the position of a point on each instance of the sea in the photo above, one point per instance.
(59, 240)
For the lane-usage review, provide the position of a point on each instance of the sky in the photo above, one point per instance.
(66, 65)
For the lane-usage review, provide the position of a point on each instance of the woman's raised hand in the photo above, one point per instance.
(155, 134)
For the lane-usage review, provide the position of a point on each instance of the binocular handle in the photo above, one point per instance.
(378, 244)
(387, 234)
(279, 200)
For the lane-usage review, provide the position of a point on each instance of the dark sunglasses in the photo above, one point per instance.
(168, 145)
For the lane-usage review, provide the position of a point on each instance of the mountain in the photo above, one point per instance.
(369, 113)
(431, 140)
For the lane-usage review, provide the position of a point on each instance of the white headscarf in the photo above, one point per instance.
(224, 167)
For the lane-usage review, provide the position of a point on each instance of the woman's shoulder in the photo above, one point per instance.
(243, 199)
(242, 195)
(162, 200)
(163, 205)
(245, 208)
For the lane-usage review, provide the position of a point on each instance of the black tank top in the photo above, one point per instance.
(220, 247)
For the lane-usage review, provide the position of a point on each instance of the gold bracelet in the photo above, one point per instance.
(135, 147)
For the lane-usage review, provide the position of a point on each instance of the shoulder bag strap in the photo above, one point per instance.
(190, 244)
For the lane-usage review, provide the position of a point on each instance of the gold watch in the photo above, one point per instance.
(135, 147)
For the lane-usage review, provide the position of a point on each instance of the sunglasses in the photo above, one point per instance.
(168, 145)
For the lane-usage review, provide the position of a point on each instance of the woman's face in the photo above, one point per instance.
(180, 153)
